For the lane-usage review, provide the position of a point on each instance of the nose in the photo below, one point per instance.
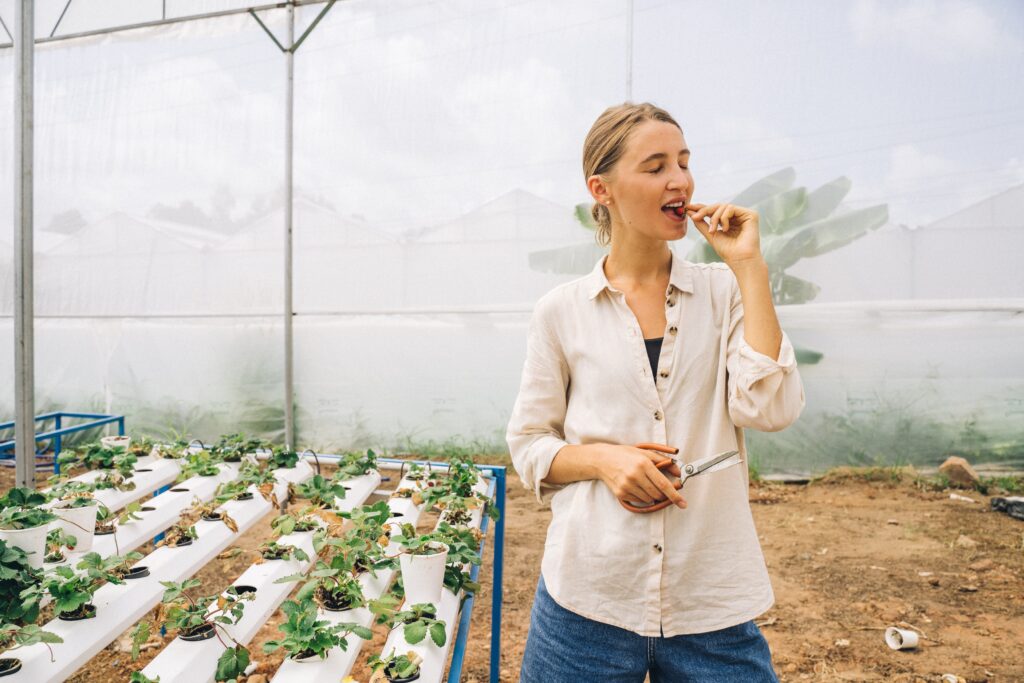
(678, 179)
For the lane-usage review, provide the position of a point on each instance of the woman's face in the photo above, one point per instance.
(650, 177)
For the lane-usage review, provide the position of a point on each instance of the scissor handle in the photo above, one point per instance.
(659, 447)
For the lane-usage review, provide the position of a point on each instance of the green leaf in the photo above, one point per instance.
(232, 663)
(415, 632)
(437, 633)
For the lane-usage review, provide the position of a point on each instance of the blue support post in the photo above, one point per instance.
(120, 426)
(497, 490)
(56, 444)
(499, 563)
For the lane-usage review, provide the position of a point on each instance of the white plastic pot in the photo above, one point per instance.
(32, 541)
(900, 639)
(116, 441)
(423, 575)
(78, 522)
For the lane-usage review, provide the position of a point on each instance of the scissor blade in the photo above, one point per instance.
(717, 462)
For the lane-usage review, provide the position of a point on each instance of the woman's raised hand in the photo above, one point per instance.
(732, 231)
(630, 474)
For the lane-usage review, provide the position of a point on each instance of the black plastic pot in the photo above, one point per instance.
(332, 604)
(304, 656)
(245, 496)
(59, 558)
(137, 572)
(86, 611)
(144, 469)
(428, 615)
(183, 542)
(407, 679)
(243, 589)
(213, 517)
(398, 514)
(147, 508)
(204, 632)
(9, 665)
(179, 489)
(103, 531)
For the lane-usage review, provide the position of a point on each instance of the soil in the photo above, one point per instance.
(849, 555)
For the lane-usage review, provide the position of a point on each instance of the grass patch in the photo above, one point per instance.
(480, 450)
(1012, 485)
(891, 476)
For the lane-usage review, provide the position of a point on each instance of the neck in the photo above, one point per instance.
(637, 259)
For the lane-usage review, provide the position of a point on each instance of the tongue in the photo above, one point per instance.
(674, 210)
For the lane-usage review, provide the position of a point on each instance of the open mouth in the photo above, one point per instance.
(675, 210)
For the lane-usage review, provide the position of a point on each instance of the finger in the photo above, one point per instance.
(649, 482)
(705, 210)
(636, 494)
(670, 468)
(729, 213)
(668, 490)
(716, 219)
(702, 227)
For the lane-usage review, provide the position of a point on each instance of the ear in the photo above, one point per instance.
(599, 189)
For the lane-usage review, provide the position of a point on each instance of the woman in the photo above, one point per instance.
(651, 348)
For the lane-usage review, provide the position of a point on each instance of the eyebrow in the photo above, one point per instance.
(662, 155)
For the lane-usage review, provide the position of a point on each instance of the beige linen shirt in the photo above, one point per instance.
(587, 379)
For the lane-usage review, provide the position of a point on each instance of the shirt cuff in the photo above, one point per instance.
(545, 450)
(755, 366)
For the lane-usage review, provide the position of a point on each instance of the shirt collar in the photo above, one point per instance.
(681, 277)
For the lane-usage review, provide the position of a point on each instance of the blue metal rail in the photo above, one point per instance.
(59, 430)
(497, 489)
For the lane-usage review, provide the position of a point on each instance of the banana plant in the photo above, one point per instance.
(795, 224)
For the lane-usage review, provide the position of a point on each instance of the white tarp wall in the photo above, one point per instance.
(437, 146)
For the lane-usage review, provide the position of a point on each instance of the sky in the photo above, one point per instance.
(410, 113)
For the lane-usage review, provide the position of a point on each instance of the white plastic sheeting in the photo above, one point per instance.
(437, 147)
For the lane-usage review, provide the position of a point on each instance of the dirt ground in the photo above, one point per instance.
(849, 555)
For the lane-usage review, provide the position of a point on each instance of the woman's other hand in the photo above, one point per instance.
(631, 475)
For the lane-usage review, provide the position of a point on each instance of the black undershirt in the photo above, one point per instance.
(653, 351)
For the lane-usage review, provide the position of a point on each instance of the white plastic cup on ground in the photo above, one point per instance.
(423, 575)
(900, 638)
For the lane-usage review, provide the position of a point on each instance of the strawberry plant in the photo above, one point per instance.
(307, 636)
(393, 668)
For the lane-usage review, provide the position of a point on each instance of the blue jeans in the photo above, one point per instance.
(564, 647)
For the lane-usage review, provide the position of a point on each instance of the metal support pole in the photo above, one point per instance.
(24, 361)
(58, 442)
(289, 379)
(629, 50)
(497, 584)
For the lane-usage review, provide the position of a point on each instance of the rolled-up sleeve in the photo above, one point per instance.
(764, 394)
(535, 432)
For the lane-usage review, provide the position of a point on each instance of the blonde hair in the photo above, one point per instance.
(605, 144)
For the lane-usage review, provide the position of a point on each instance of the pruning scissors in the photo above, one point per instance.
(711, 463)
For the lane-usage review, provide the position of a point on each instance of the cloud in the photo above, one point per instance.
(942, 30)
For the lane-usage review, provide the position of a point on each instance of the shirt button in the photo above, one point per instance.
(657, 415)
(663, 373)
(673, 329)
(671, 302)
(657, 547)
